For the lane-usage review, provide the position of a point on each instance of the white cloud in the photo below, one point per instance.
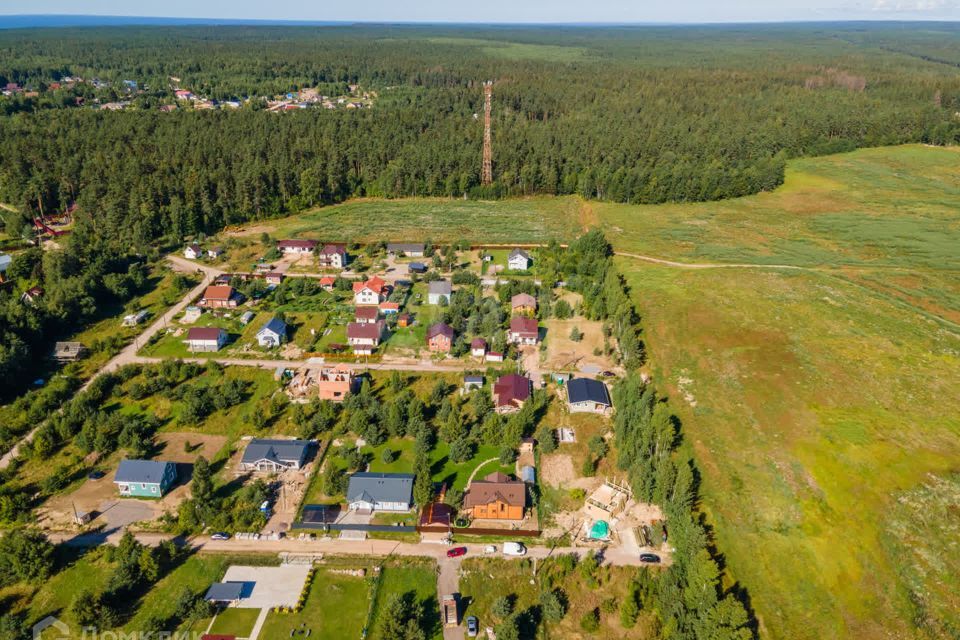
(916, 6)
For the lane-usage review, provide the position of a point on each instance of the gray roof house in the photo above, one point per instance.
(144, 478)
(274, 455)
(586, 395)
(273, 333)
(380, 492)
(412, 249)
(518, 260)
(439, 289)
(225, 592)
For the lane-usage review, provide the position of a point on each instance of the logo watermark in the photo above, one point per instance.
(60, 630)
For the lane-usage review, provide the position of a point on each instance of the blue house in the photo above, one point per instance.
(144, 478)
(272, 334)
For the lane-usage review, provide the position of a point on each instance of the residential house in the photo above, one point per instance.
(518, 260)
(380, 492)
(333, 256)
(496, 497)
(272, 456)
(412, 249)
(585, 395)
(440, 338)
(183, 94)
(192, 252)
(273, 333)
(365, 338)
(493, 356)
(133, 319)
(68, 351)
(327, 282)
(471, 382)
(523, 303)
(200, 339)
(247, 318)
(510, 392)
(191, 314)
(273, 278)
(366, 315)
(523, 331)
(371, 292)
(214, 253)
(389, 308)
(439, 290)
(144, 478)
(334, 384)
(297, 246)
(527, 444)
(219, 296)
(478, 347)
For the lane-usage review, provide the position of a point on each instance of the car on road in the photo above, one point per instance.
(649, 558)
(456, 552)
(514, 549)
(473, 626)
(220, 536)
(607, 374)
(490, 548)
(95, 475)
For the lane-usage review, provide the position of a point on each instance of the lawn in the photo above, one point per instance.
(520, 220)
(443, 469)
(235, 621)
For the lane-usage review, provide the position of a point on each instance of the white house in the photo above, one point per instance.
(214, 252)
(297, 246)
(134, 319)
(333, 255)
(191, 314)
(380, 492)
(518, 260)
(585, 395)
(439, 290)
(365, 338)
(371, 292)
(206, 339)
(273, 333)
(192, 252)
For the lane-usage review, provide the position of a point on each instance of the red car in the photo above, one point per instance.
(456, 552)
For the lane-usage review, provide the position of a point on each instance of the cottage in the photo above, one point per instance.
(134, 319)
(440, 338)
(365, 338)
(471, 382)
(273, 278)
(191, 314)
(380, 492)
(510, 392)
(144, 478)
(496, 497)
(518, 260)
(220, 297)
(192, 252)
(404, 320)
(439, 290)
(523, 331)
(202, 339)
(297, 247)
(371, 292)
(327, 283)
(214, 253)
(523, 303)
(273, 456)
(366, 315)
(333, 256)
(588, 396)
(68, 351)
(412, 249)
(478, 347)
(527, 444)
(493, 356)
(389, 308)
(247, 318)
(273, 333)
(334, 384)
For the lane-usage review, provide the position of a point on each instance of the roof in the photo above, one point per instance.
(371, 313)
(588, 390)
(395, 306)
(440, 329)
(218, 292)
(380, 487)
(473, 379)
(374, 284)
(203, 334)
(224, 592)
(511, 388)
(276, 325)
(406, 247)
(523, 300)
(495, 487)
(297, 244)
(417, 266)
(194, 247)
(144, 471)
(332, 248)
(519, 252)
(524, 325)
(478, 343)
(275, 450)
(5, 261)
(441, 287)
(327, 280)
(273, 274)
(369, 331)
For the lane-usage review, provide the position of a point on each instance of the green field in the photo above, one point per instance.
(813, 399)
(521, 220)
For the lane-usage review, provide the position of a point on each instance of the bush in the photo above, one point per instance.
(590, 621)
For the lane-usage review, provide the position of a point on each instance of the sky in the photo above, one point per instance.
(506, 11)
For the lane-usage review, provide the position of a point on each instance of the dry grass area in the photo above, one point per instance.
(187, 447)
(563, 354)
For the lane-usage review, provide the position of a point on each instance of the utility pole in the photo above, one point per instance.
(486, 176)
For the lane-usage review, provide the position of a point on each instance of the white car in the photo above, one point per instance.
(490, 548)
(514, 549)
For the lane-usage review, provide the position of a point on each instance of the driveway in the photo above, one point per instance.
(448, 582)
(120, 513)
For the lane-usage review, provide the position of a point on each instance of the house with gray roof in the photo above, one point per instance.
(273, 456)
(438, 290)
(144, 478)
(380, 491)
(273, 333)
(412, 249)
(518, 260)
(585, 395)
(225, 593)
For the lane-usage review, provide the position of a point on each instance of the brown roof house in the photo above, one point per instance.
(523, 331)
(297, 246)
(478, 347)
(496, 497)
(206, 339)
(510, 392)
(373, 291)
(440, 338)
(333, 255)
(366, 315)
(523, 303)
(220, 297)
(365, 338)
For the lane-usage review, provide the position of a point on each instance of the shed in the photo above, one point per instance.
(528, 474)
(224, 592)
(246, 317)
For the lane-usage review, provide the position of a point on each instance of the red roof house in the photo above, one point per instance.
(510, 392)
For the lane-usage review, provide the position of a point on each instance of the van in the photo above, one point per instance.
(514, 549)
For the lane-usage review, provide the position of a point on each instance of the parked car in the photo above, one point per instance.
(607, 374)
(490, 548)
(95, 475)
(456, 552)
(649, 558)
(220, 536)
(514, 549)
(473, 627)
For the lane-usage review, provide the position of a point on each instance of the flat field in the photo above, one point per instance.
(814, 399)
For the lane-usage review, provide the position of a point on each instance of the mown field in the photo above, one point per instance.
(817, 401)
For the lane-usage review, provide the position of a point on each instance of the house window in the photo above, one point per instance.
(153, 489)
(143, 485)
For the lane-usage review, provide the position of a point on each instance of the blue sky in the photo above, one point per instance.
(506, 10)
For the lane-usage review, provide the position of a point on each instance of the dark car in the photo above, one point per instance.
(96, 475)
(607, 374)
(220, 536)
(456, 552)
(473, 627)
(649, 558)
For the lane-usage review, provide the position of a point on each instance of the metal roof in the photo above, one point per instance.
(587, 390)
(283, 451)
(143, 471)
(441, 286)
(276, 325)
(224, 591)
(381, 487)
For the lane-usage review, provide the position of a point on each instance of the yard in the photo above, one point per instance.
(234, 621)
